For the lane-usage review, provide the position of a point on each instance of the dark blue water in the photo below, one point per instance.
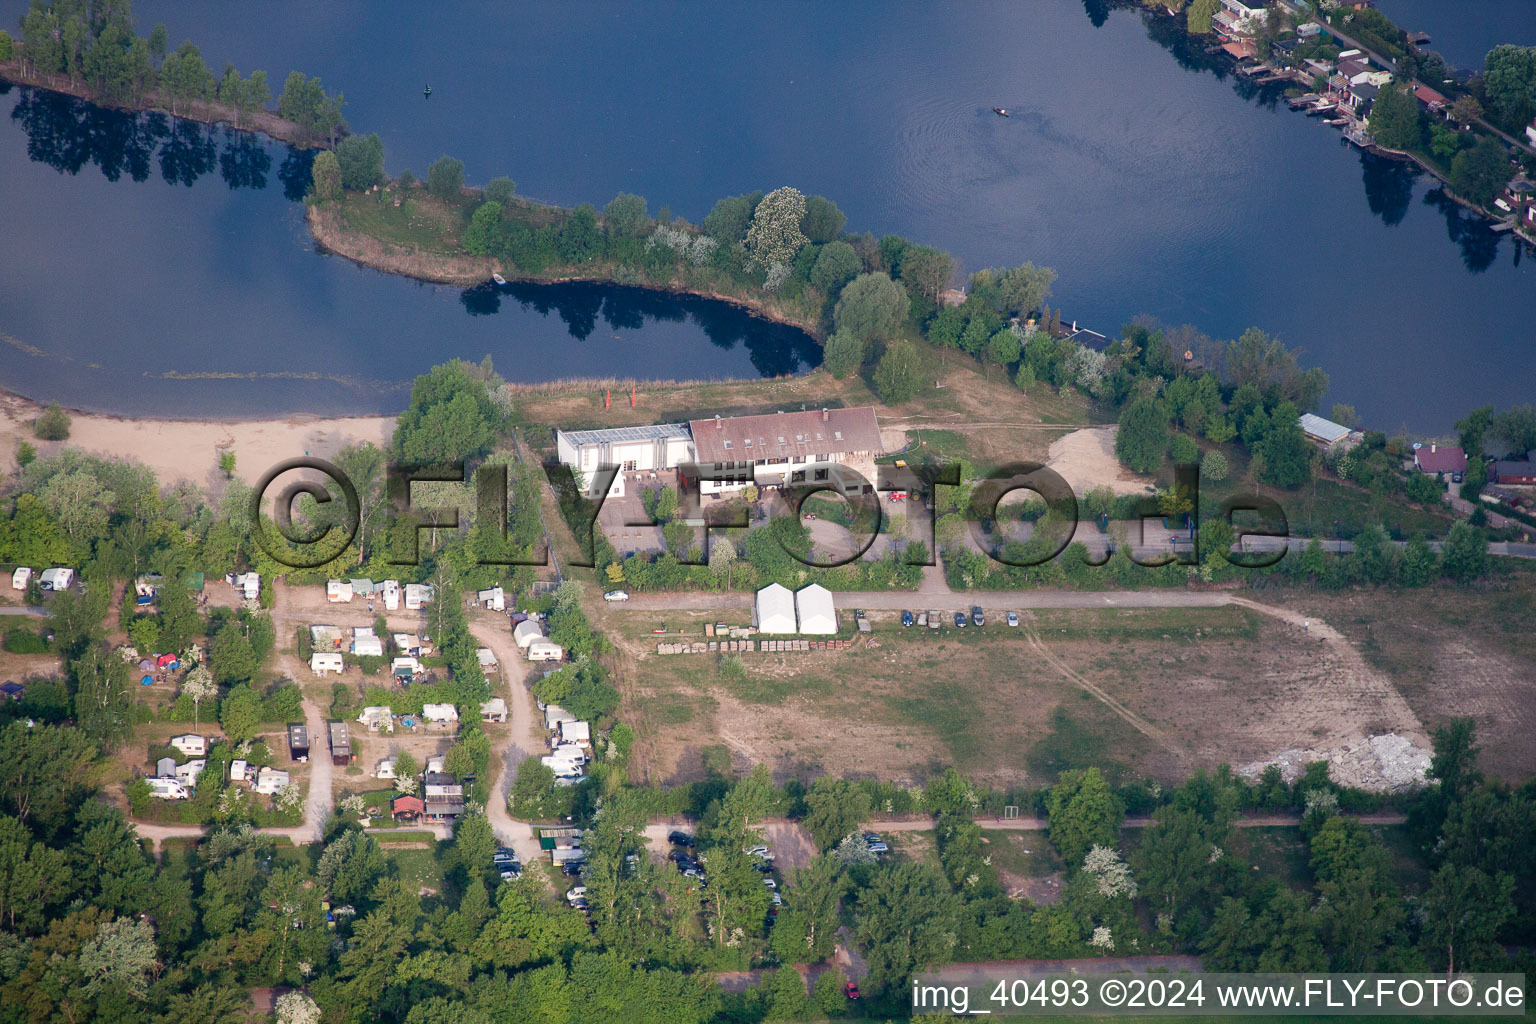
(1150, 183)
(1465, 30)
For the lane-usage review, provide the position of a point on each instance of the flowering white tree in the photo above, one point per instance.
(1110, 873)
(297, 1008)
(775, 235)
(1102, 939)
(854, 850)
(1086, 367)
(199, 686)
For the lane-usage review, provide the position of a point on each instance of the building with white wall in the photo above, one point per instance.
(633, 449)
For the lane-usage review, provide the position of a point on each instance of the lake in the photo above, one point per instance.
(1150, 182)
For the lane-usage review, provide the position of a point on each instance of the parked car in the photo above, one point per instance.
(959, 620)
(770, 883)
(851, 990)
(571, 870)
(616, 595)
(680, 839)
(907, 619)
(777, 900)
(872, 837)
(935, 618)
(759, 851)
(1013, 618)
(763, 866)
(578, 892)
(878, 846)
(976, 615)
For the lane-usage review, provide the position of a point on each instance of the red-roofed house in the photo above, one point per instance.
(407, 808)
(1433, 101)
(1435, 459)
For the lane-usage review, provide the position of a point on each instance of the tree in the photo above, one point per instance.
(361, 158)
(52, 425)
(6, 46)
(1200, 14)
(44, 772)
(33, 878)
(325, 177)
(899, 373)
(871, 307)
(625, 216)
(498, 190)
(304, 102)
(198, 686)
(834, 808)
(836, 264)
(406, 770)
(120, 958)
(843, 354)
(926, 269)
(1213, 465)
(240, 714)
(1464, 908)
(1509, 86)
(351, 864)
(1287, 454)
(185, 77)
(1464, 555)
(722, 556)
(775, 235)
(783, 990)
(1516, 428)
(1395, 120)
(1004, 347)
(1466, 111)
(1142, 436)
(728, 221)
(103, 697)
(297, 1008)
(451, 416)
(480, 238)
(1082, 812)
(445, 178)
(822, 221)
(1477, 174)
(907, 918)
(80, 503)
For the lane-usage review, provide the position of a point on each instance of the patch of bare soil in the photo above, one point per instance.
(1086, 459)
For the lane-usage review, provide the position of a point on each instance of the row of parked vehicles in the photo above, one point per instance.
(934, 618)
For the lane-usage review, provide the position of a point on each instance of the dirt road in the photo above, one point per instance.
(525, 736)
(1040, 824)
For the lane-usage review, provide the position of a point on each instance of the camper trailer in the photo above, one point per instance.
(248, 583)
(270, 781)
(365, 644)
(385, 769)
(377, 718)
(543, 650)
(190, 744)
(391, 590)
(338, 591)
(321, 663)
(418, 594)
(439, 713)
(20, 578)
(495, 599)
(167, 789)
(56, 578)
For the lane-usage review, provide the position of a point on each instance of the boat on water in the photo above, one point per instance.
(1000, 111)
(427, 91)
(498, 279)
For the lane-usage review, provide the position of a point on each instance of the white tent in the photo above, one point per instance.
(774, 610)
(526, 632)
(814, 604)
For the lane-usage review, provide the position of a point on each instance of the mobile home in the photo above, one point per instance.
(322, 662)
(543, 650)
(391, 589)
(341, 745)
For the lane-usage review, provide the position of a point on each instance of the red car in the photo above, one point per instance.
(851, 990)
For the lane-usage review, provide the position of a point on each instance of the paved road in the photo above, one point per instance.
(30, 609)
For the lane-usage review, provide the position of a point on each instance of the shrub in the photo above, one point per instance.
(1184, 450)
(52, 425)
(1214, 466)
(445, 178)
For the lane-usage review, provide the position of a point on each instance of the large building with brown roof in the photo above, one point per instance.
(770, 450)
(790, 448)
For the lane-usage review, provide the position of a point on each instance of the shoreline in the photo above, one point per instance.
(260, 122)
(466, 271)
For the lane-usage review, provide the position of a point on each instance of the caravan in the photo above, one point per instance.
(20, 577)
(495, 599)
(391, 590)
(338, 591)
(57, 579)
(322, 662)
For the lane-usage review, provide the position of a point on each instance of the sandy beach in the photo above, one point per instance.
(190, 449)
